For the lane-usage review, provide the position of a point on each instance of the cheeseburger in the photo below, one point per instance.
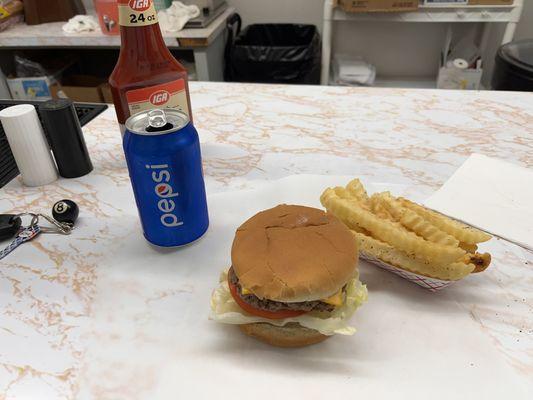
(293, 280)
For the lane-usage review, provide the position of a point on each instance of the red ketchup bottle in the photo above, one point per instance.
(147, 75)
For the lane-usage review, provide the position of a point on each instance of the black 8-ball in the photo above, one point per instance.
(66, 211)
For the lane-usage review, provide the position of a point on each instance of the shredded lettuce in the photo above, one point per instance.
(224, 309)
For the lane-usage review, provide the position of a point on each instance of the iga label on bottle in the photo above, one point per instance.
(136, 13)
(167, 95)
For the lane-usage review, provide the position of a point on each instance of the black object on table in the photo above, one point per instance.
(86, 112)
(66, 138)
(513, 69)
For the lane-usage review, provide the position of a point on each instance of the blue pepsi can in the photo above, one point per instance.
(162, 151)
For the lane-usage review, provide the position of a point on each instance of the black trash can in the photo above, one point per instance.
(513, 69)
(273, 53)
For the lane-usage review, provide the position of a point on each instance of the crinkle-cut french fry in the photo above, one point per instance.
(469, 248)
(343, 193)
(480, 261)
(415, 222)
(363, 231)
(379, 210)
(464, 233)
(383, 251)
(356, 189)
(352, 214)
(354, 226)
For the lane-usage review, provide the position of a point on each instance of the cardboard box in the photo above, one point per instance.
(491, 2)
(357, 6)
(38, 88)
(80, 88)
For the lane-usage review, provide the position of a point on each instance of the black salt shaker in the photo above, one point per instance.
(68, 145)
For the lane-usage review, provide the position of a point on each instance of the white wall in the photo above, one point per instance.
(297, 11)
(525, 27)
(89, 5)
(396, 49)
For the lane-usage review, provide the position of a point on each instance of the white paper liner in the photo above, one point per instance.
(431, 284)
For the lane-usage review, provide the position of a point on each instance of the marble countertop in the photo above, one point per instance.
(52, 35)
(249, 134)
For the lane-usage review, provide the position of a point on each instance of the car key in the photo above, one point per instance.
(9, 225)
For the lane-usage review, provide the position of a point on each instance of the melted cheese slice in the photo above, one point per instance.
(335, 300)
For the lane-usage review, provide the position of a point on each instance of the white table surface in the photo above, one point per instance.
(51, 290)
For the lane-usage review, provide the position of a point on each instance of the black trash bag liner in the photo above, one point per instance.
(274, 53)
(513, 68)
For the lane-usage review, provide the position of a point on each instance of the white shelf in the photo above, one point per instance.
(433, 13)
(403, 82)
(439, 13)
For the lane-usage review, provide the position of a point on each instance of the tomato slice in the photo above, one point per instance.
(258, 312)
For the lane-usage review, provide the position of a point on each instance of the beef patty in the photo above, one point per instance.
(270, 305)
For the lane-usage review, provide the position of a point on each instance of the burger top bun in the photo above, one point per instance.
(293, 253)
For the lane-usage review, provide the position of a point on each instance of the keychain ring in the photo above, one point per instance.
(59, 227)
(34, 218)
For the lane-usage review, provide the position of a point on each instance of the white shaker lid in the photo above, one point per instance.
(16, 111)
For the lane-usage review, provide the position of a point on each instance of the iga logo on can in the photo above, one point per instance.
(160, 97)
(140, 5)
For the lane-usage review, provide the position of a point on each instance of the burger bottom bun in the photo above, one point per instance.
(290, 335)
